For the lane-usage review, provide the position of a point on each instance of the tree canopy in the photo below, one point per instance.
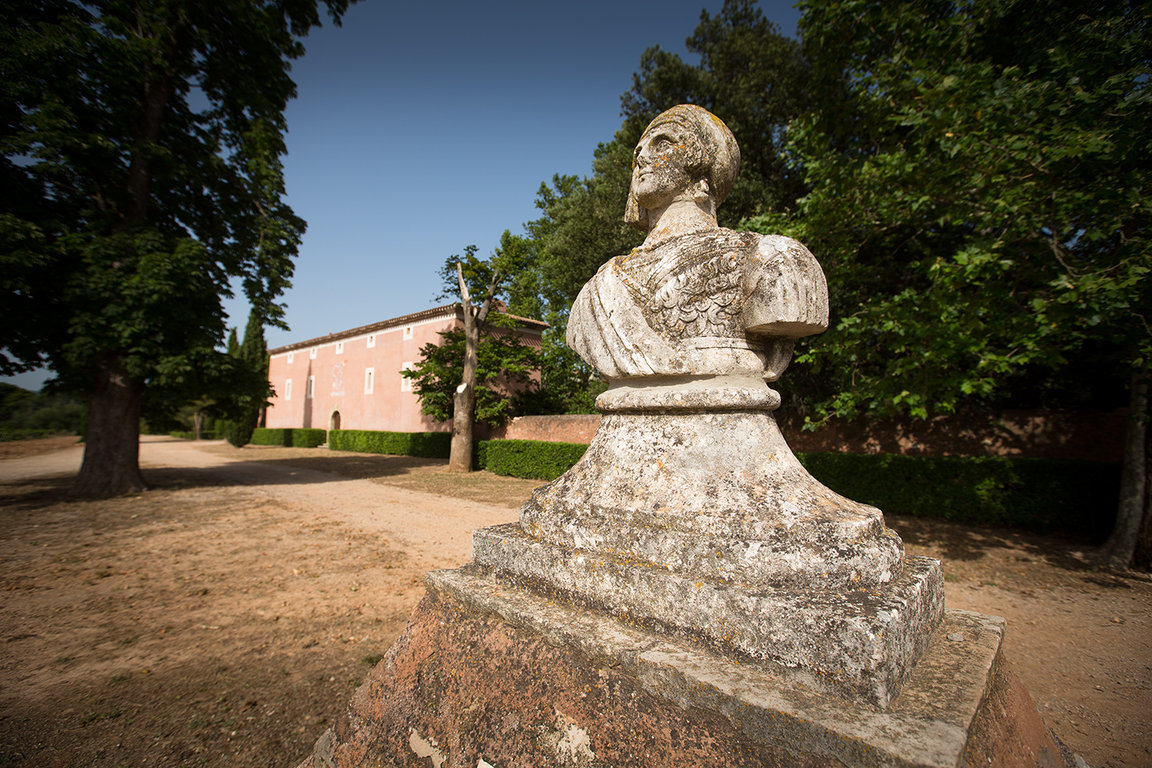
(243, 406)
(140, 179)
(979, 201)
(477, 371)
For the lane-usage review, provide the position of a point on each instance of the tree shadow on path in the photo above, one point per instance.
(290, 470)
(959, 544)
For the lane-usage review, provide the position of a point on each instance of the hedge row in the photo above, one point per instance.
(1042, 495)
(9, 435)
(289, 438)
(430, 445)
(533, 459)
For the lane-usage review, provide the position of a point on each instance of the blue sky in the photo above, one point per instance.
(421, 128)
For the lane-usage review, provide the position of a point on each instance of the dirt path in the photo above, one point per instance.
(224, 617)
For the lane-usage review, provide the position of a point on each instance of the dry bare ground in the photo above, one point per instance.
(225, 617)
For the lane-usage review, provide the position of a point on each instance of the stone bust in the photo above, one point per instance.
(695, 300)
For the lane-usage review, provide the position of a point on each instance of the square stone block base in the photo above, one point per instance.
(859, 643)
(487, 675)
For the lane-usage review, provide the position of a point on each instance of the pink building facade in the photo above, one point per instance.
(351, 380)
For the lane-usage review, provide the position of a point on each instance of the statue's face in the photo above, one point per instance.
(660, 165)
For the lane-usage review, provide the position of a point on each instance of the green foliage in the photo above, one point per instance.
(567, 383)
(308, 438)
(431, 445)
(1042, 495)
(246, 404)
(749, 75)
(582, 225)
(477, 370)
(141, 176)
(26, 414)
(289, 438)
(8, 434)
(980, 203)
(503, 362)
(534, 459)
(270, 436)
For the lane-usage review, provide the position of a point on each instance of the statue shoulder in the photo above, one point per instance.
(776, 247)
(787, 294)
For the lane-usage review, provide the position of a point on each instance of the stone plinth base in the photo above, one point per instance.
(860, 643)
(703, 523)
(490, 675)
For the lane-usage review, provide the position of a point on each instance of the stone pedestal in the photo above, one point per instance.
(689, 514)
(488, 674)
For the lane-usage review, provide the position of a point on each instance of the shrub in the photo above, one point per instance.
(308, 438)
(429, 445)
(8, 434)
(265, 436)
(289, 438)
(1041, 495)
(534, 459)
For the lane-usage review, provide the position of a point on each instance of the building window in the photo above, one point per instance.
(312, 353)
(291, 355)
(369, 375)
(405, 382)
(371, 340)
(407, 332)
(310, 387)
(339, 347)
(288, 389)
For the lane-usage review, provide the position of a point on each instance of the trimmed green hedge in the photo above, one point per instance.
(429, 445)
(265, 436)
(533, 459)
(289, 438)
(308, 438)
(1042, 495)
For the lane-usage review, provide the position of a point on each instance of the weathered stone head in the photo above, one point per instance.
(685, 150)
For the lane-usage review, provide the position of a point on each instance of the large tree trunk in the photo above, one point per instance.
(111, 464)
(1123, 548)
(464, 402)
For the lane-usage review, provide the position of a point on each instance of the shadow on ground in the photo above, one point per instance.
(256, 465)
(43, 491)
(289, 470)
(962, 543)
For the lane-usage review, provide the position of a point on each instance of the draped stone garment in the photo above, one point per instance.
(715, 302)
